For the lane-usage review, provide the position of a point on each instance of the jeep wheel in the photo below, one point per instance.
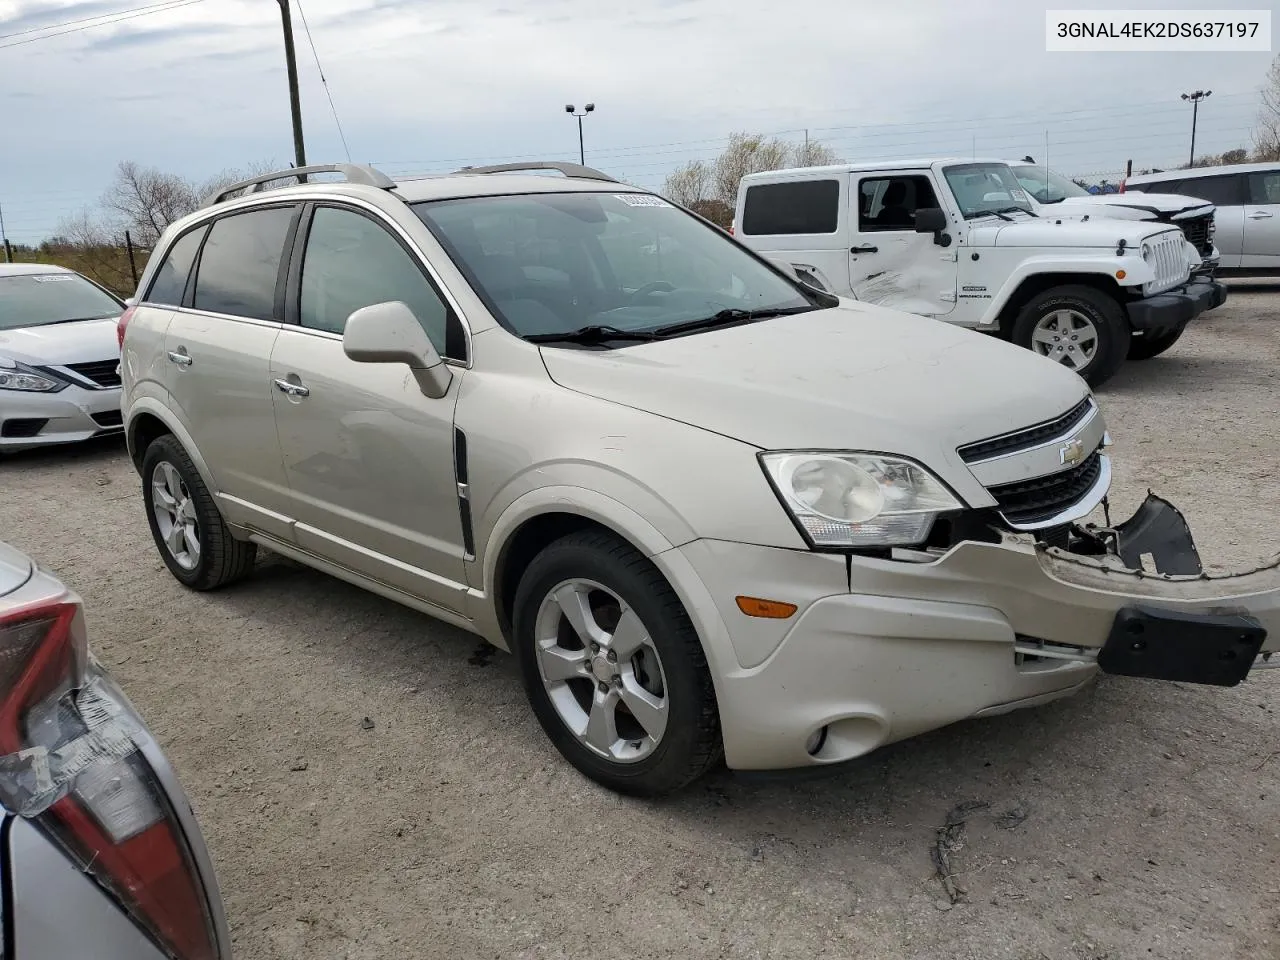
(1079, 327)
(613, 668)
(1146, 347)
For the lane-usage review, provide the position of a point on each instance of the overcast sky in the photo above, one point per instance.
(430, 85)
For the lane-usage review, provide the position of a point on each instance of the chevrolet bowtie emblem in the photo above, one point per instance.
(1072, 453)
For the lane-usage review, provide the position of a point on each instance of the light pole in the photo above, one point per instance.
(570, 109)
(1195, 99)
(295, 104)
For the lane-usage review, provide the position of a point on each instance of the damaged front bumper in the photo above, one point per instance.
(884, 648)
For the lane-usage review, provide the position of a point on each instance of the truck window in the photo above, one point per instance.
(890, 203)
(799, 206)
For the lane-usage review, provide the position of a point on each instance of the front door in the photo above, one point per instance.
(369, 459)
(218, 347)
(1262, 222)
(889, 263)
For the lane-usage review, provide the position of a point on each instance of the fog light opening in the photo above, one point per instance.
(817, 740)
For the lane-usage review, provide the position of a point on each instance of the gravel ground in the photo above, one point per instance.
(1137, 819)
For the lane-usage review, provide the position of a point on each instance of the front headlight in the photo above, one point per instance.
(858, 499)
(17, 376)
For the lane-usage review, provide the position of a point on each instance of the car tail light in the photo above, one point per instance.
(124, 322)
(71, 764)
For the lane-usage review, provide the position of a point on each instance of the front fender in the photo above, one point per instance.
(1136, 271)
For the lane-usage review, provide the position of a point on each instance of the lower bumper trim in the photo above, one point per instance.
(1213, 649)
(1176, 308)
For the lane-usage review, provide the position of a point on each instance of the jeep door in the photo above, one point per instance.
(889, 263)
(801, 222)
(369, 458)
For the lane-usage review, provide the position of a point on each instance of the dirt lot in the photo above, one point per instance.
(1136, 820)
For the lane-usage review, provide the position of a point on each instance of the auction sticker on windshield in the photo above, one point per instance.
(641, 200)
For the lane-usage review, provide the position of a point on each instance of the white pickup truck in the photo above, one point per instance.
(960, 241)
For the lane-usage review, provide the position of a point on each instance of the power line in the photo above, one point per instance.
(323, 81)
(71, 23)
(114, 18)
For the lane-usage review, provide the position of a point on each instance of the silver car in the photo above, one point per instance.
(102, 856)
(710, 509)
(59, 357)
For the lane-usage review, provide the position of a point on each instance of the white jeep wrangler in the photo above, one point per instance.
(961, 241)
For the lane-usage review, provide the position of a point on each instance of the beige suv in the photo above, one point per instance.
(712, 510)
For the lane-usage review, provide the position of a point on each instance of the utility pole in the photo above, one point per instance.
(1195, 99)
(569, 108)
(4, 240)
(295, 103)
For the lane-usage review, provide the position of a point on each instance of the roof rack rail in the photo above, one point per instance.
(568, 169)
(353, 172)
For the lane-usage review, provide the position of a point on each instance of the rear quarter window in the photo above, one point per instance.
(171, 278)
(801, 206)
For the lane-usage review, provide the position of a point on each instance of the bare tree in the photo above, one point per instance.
(147, 200)
(811, 153)
(747, 153)
(1266, 135)
(87, 243)
(689, 184)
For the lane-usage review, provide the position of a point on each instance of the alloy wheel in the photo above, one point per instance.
(1067, 336)
(175, 514)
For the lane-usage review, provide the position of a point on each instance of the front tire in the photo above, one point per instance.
(193, 539)
(613, 668)
(1144, 348)
(1080, 327)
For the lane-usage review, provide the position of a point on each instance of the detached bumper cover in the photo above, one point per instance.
(1176, 308)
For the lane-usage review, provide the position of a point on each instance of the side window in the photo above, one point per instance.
(353, 262)
(890, 203)
(1264, 187)
(240, 261)
(1226, 191)
(800, 206)
(171, 279)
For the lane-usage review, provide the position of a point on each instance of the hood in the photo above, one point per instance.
(1098, 232)
(15, 569)
(1132, 206)
(853, 377)
(58, 344)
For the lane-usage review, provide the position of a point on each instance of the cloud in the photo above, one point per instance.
(36, 15)
(140, 37)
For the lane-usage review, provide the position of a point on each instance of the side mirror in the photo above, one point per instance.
(390, 333)
(933, 220)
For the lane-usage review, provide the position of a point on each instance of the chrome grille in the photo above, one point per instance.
(105, 373)
(1043, 498)
(1168, 259)
(1027, 437)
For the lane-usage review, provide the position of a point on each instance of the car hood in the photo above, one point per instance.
(15, 569)
(855, 377)
(57, 344)
(1133, 206)
(1065, 231)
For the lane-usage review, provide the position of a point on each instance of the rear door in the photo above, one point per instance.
(1262, 222)
(218, 349)
(889, 263)
(801, 222)
(369, 459)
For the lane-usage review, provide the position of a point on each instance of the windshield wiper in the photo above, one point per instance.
(78, 320)
(592, 333)
(988, 213)
(1015, 209)
(728, 315)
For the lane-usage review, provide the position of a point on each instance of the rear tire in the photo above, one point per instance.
(1144, 348)
(1080, 327)
(593, 588)
(193, 539)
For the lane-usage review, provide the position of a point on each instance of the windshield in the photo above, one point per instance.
(983, 188)
(1047, 186)
(549, 263)
(33, 300)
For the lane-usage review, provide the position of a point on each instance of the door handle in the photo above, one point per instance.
(865, 248)
(1261, 215)
(180, 358)
(293, 389)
